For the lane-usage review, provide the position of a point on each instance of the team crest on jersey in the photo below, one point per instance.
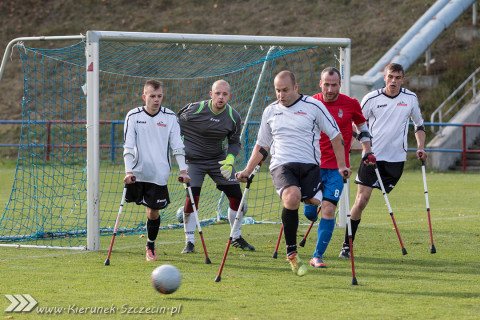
(161, 124)
(300, 112)
(401, 104)
(340, 113)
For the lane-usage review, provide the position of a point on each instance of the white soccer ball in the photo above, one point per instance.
(180, 214)
(166, 279)
(245, 209)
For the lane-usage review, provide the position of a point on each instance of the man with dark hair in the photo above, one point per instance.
(388, 111)
(291, 127)
(344, 110)
(205, 126)
(149, 131)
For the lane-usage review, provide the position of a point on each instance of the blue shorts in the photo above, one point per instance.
(332, 185)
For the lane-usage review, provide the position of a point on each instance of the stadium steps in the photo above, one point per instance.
(473, 159)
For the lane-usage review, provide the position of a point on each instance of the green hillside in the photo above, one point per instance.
(373, 26)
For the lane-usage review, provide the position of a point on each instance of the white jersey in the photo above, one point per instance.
(388, 120)
(293, 132)
(150, 136)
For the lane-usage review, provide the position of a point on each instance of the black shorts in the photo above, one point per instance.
(306, 176)
(149, 194)
(390, 172)
(197, 169)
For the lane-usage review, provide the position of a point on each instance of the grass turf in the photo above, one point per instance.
(254, 286)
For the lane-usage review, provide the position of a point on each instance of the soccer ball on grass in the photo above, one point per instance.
(166, 279)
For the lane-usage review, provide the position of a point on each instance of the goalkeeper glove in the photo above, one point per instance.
(227, 166)
(369, 158)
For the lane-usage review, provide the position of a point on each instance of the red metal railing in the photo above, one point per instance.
(464, 143)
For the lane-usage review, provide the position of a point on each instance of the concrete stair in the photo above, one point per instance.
(473, 159)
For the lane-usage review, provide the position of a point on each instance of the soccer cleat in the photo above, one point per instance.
(317, 263)
(151, 253)
(298, 267)
(242, 244)
(345, 252)
(189, 248)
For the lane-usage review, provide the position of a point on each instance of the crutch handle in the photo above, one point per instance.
(420, 154)
(180, 179)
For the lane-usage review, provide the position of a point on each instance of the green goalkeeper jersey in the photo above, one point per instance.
(205, 132)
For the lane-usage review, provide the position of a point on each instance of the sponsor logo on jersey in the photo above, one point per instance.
(278, 114)
(161, 124)
(300, 112)
(381, 105)
(340, 113)
(138, 121)
(214, 120)
(401, 104)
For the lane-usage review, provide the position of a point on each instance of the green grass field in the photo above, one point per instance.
(420, 285)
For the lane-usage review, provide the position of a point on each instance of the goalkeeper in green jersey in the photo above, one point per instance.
(205, 125)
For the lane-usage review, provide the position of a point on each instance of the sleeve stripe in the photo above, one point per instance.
(328, 115)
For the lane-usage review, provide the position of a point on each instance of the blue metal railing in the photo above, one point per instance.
(248, 146)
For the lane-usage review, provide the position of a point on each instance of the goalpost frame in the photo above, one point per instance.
(93, 39)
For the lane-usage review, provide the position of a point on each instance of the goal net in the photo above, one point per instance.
(69, 176)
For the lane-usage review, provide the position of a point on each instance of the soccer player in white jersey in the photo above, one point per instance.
(205, 126)
(149, 131)
(291, 128)
(388, 112)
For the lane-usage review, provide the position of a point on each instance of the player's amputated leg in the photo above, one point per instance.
(152, 233)
(290, 226)
(311, 212)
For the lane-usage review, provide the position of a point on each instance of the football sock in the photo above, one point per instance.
(290, 226)
(189, 225)
(232, 214)
(152, 229)
(324, 234)
(354, 224)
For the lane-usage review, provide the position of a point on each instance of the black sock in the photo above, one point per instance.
(290, 226)
(152, 229)
(354, 224)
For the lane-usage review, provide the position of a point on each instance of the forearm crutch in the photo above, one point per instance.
(404, 251)
(107, 262)
(189, 190)
(239, 215)
(432, 248)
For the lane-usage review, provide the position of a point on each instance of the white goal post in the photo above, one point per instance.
(93, 39)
